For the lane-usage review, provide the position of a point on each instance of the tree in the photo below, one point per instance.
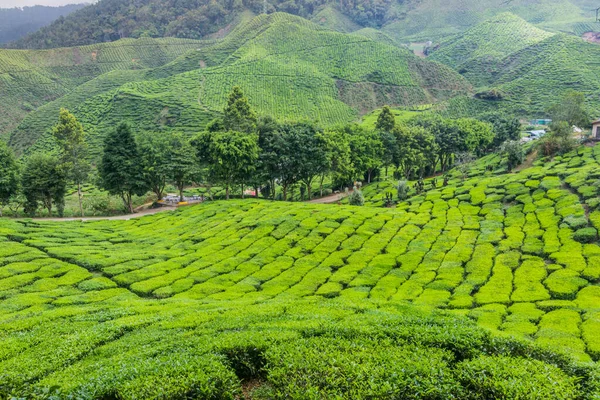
(478, 135)
(182, 164)
(70, 138)
(121, 169)
(367, 149)
(386, 120)
(155, 153)
(514, 154)
(9, 175)
(268, 164)
(310, 152)
(237, 115)
(339, 160)
(229, 156)
(504, 129)
(416, 150)
(449, 138)
(44, 181)
(570, 109)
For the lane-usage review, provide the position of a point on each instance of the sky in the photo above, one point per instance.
(24, 3)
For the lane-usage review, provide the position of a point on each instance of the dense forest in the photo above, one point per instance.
(18, 22)
(111, 20)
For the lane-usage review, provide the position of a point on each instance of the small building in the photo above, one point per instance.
(596, 129)
(540, 122)
(533, 135)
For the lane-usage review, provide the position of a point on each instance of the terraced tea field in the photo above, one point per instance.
(289, 67)
(136, 307)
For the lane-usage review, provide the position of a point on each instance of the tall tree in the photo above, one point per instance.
(570, 109)
(311, 154)
(367, 149)
(182, 163)
(504, 129)
(121, 170)
(339, 160)
(386, 120)
(229, 156)
(9, 175)
(155, 152)
(238, 115)
(44, 181)
(70, 137)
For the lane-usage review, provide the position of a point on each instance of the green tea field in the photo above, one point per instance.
(452, 294)
(291, 69)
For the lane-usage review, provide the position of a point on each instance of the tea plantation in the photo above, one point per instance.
(484, 288)
(291, 69)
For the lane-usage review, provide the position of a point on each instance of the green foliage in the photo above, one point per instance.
(9, 175)
(237, 115)
(513, 151)
(386, 120)
(230, 156)
(43, 181)
(356, 198)
(121, 169)
(502, 377)
(570, 109)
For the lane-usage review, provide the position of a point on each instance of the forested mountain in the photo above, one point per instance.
(406, 20)
(289, 67)
(18, 22)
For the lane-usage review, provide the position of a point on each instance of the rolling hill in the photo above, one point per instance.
(485, 45)
(30, 79)
(289, 67)
(529, 67)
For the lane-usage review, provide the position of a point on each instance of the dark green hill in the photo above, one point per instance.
(289, 68)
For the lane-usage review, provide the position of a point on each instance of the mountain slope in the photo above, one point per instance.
(483, 46)
(289, 68)
(30, 79)
(534, 77)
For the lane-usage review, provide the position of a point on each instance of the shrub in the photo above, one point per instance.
(500, 377)
(586, 235)
(356, 198)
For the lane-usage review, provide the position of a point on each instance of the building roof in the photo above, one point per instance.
(596, 122)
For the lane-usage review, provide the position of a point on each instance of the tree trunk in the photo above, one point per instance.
(180, 187)
(369, 176)
(129, 200)
(321, 184)
(256, 192)
(227, 192)
(80, 198)
(285, 192)
(243, 196)
(386, 172)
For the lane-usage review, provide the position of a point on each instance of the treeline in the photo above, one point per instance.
(18, 22)
(112, 20)
(246, 151)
